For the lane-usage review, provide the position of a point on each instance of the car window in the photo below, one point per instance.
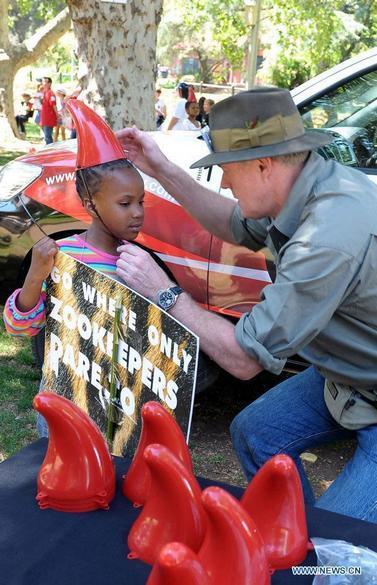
(350, 113)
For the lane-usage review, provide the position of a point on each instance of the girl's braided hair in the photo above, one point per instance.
(88, 181)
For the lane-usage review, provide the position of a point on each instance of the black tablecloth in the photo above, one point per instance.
(54, 548)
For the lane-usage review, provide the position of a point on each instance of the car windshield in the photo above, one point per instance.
(353, 104)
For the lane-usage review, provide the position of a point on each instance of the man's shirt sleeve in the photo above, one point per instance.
(310, 285)
(251, 233)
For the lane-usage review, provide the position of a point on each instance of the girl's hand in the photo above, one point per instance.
(42, 259)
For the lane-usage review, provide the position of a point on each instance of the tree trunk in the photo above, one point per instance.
(117, 58)
(13, 56)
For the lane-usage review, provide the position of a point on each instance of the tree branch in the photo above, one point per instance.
(34, 47)
(4, 30)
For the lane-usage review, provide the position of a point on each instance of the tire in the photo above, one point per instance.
(207, 373)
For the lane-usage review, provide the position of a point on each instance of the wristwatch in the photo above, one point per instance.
(167, 298)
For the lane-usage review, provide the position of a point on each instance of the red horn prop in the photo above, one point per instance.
(178, 565)
(173, 510)
(275, 501)
(96, 142)
(78, 473)
(233, 549)
(158, 426)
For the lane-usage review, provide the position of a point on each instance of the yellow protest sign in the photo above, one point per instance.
(110, 350)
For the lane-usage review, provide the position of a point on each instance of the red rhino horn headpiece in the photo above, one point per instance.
(78, 473)
(96, 142)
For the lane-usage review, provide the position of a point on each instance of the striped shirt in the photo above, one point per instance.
(30, 323)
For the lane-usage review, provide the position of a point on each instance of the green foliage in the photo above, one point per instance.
(214, 31)
(26, 16)
(313, 36)
(301, 37)
(222, 22)
(167, 84)
(57, 58)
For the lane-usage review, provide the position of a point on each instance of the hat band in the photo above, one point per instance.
(272, 131)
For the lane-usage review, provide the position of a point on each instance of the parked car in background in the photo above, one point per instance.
(37, 192)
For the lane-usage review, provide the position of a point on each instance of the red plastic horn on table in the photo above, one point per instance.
(78, 473)
(275, 501)
(173, 511)
(178, 565)
(158, 426)
(233, 549)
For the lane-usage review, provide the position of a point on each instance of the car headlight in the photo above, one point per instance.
(15, 177)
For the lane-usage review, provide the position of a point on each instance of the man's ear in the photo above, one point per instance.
(265, 167)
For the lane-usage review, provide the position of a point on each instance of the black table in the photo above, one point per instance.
(54, 548)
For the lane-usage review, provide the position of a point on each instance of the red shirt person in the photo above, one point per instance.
(49, 116)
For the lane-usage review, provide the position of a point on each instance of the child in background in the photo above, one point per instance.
(27, 113)
(112, 192)
(201, 109)
(192, 111)
(207, 107)
(62, 113)
(160, 109)
(37, 102)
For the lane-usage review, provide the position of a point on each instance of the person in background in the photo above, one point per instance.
(191, 122)
(75, 93)
(160, 109)
(201, 109)
(49, 114)
(191, 94)
(180, 112)
(27, 114)
(207, 107)
(37, 101)
(62, 114)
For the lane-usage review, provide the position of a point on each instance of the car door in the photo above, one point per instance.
(236, 275)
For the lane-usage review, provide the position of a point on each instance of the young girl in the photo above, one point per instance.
(112, 192)
(192, 111)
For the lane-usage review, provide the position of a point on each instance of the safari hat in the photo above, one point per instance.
(261, 122)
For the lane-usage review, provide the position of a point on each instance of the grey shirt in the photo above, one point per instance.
(322, 304)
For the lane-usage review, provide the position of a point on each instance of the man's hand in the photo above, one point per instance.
(42, 258)
(140, 272)
(143, 151)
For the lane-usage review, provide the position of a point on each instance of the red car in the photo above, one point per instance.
(38, 191)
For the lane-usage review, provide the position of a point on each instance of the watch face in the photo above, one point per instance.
(166, 299)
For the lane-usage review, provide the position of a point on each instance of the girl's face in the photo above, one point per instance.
(193, 110)
(120, 203)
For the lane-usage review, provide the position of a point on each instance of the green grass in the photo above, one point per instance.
(33, 132)
(7, 155)
(33, 136)
(19, 381)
